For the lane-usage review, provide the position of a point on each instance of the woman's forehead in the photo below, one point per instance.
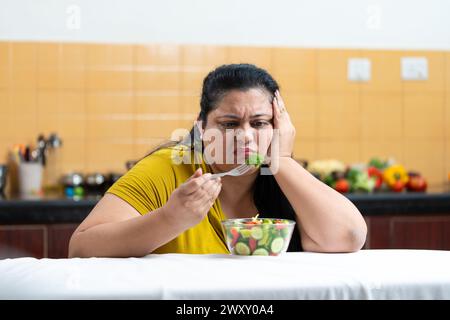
(244, 103)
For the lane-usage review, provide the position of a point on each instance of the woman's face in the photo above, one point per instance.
(239, 126)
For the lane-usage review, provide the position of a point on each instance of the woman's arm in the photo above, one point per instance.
(328, 221)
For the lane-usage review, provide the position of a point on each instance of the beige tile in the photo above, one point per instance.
(447, 72)
(8, 129)
(332, 71)
(143, 147)
(339, 117)
(73, 156)
(157, 55)
(109, 80)
(109, 55)
(72, 78)
(151, 129)
(48, 77)
(190, 104)
(5, 54)
(305, 149)
(381, 116)
(99, 128)
(192, 81)
(24, 127)
(24, 54)
(153, 103)
(259, 56)
(48, 54)
(424, 116)
(204, 55)
(383, 149)
(5, 77)
(72, 102)
(447, 116)
(47, 123)
(5, 105)
(302, 109)
(427, 157)
(104, 156)
(167, 81)
(385, 72)
(73, 55)
(24, 102)
(436, 73)
(48, 103)
(72, 126)
(347, 151)
(109, 103)
(23, 78)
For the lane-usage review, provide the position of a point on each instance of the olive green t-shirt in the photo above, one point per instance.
(148, 186)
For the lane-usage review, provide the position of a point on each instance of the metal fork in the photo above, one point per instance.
(243, 168)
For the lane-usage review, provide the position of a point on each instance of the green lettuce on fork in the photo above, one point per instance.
(255, 159)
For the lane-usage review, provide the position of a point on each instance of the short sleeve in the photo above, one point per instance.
(148, 185)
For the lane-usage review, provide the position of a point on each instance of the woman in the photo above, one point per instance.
(164, 206)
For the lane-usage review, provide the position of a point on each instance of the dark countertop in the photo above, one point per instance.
(67, 210)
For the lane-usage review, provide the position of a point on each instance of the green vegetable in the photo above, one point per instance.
(257, 233)
(246, 233)
(255, 159)
(277, 245)
(242, 249)
(260, 252)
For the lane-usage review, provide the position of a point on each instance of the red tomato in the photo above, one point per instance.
(398, 186)
(252, 244)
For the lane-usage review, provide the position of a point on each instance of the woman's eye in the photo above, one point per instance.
(260, 124)
(229, 124)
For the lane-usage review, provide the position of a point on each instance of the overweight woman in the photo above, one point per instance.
(164, 205)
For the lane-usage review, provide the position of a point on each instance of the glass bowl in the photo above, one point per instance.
(258, 236)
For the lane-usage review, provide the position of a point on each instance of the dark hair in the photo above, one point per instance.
(268, 197)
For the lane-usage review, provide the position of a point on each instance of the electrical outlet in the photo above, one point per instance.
(414, 68)
(359, 69)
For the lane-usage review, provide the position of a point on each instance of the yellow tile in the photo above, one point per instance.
(332, 71)
(381, 116)
(23, 78)
(190, 105)
(436, 73)
(48, 103)
(157, 80)
(72, 156)
(24, 54)
(149, 129)
(24, 102)
(5, 105)
(109, 103)
(107, 156)
(427, 157)
(305, 149)
(204, 55)
(338, 117)
(148, 103)
(72, 126)
(385, 72)
(48, 54)
(72, 102)
(105, 55)
(347, 151)
(302, 109)
(296, 83)
(192, 81)
(8, 129)
(157, 55)
(5, 76)
(48, 77)
(73, 55)
(109, 128)
(424, 116)
(447, 116)
(447, 72)
(24, 128)
(47, 123)
(259, 56)
(5, 54)
(383, 149)
(109, 80)
(72, 78)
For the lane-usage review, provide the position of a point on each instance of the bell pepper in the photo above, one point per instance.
(377, 175)
(395, 176)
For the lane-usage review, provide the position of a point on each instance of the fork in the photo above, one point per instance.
(243, 168)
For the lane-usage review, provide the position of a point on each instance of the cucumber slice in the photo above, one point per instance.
(277, 245)
(265, 238)
(242, 249)
(257, 233)
(246, 233)
(260, 252)
(284, 232)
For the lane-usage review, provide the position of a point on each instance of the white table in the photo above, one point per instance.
(368, 274)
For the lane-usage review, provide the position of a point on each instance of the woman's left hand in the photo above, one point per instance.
(286, 130)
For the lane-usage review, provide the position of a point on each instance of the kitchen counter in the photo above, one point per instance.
(67, 210)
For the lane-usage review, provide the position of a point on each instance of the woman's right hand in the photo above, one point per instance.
(191, 201)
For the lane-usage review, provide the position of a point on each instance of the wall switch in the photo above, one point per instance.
(359, 69)
(414, 68)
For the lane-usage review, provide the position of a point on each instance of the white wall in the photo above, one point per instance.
(396, 24)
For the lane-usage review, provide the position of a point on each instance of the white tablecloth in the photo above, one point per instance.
(368, 274)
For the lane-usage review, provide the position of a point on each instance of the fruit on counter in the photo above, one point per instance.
(360, 180)
(323, 168)
(377, 175)
(342, 185)
(416, 183)
(396, 177)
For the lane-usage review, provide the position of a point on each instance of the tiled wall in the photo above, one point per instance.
(111, 103)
